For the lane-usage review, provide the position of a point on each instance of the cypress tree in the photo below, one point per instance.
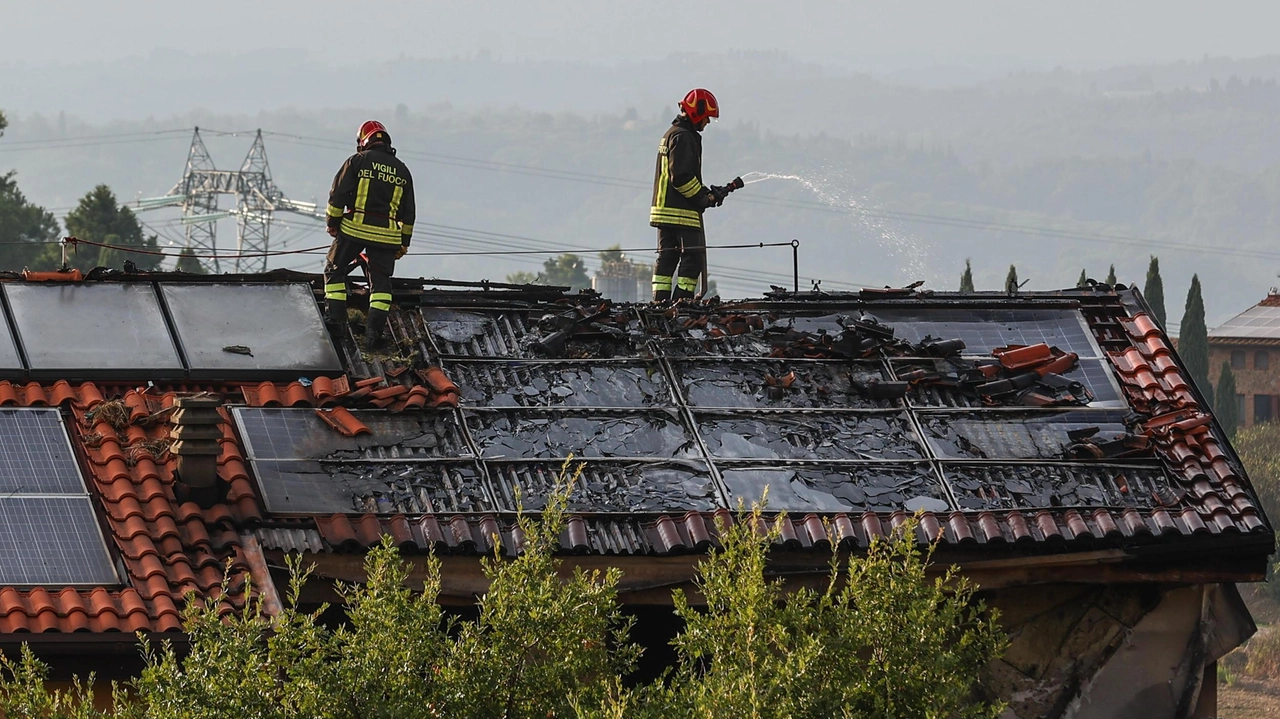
(1111, 276)
(1011, 280)
(1083, 282)
(1225, 407)
(1153, 291)
(966, 279)
(187, 262)
(1193, 340)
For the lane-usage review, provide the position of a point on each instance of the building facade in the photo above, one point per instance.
(1250, 344)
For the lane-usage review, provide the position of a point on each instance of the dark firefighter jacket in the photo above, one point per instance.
(678, 193)
(372, 198)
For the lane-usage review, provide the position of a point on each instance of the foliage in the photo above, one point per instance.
(1111, 276)
(966, 279)
(1264, 654)
(25, 229)
(1226, 409)
(100, 218)
(879, 639)
(522, 278)
(567, 270)
(1153, 290)
(1259, 449)
(3, 124)
(1011, 280)
(1083, 282)
(188, 262)
(1193, 340)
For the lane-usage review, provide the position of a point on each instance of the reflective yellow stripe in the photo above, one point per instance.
(334, 211)
(362, 199)
(335, 291)
(664, 179)
(687, 283)
(396, 195)
(671, 216)
(406, 229)
(380, 301)
(335, 295)
(690, 188)
(385, 235)
(335, 286)
(661, 282)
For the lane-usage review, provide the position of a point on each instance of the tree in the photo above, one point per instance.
(26, 231)
(1083, 282)
(522, 278)
(100, 218)
(1011, 280)
(567, 270)
(1111, 276)
(1153, 290)
(1193, 340)
(966, 279)
(3, 124)
(1259, 450)
(188, 262)
(1226, 408)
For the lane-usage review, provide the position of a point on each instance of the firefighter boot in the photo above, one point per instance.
(375, 330)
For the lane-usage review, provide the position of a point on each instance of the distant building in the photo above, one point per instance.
(1250, 343)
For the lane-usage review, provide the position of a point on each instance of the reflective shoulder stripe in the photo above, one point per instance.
(334, 211)
(664, 180)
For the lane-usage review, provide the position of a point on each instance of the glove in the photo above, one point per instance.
(714, 197)
(404, 250)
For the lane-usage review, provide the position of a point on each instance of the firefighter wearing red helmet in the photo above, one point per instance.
(371, 212)
(679, 198)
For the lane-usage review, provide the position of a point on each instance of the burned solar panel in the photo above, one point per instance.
(1028, 486)
(567, 384)
(874, 486)
(845, 436)
(800, 384)
(983, 330)
(310, 486)
(556, 333)
(1093, 375)
(1047, 435)
(542, 435)
(609, 486)
(400, 461)
(281, 433)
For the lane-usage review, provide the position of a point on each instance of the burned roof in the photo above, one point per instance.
(1040, 424)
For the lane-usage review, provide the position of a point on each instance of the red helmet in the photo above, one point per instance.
(699, 105)
(370, 132)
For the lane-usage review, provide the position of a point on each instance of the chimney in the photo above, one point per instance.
(196, 434)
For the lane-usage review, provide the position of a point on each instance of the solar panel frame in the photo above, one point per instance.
(279, 322)
(108, 330)
(12, 364)
(31, 464)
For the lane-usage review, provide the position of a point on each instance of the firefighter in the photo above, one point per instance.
(679, 198)
(371, 212)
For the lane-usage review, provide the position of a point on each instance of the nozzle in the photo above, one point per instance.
(736, 184)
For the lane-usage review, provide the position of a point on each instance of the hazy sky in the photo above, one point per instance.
(1037, 32)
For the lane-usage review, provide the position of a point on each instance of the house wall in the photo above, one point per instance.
(1114, 651)
(1257, 372)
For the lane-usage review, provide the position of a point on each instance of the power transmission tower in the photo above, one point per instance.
(257, 198)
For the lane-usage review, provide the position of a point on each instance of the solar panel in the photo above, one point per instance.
(727, 384)
(35, 454)
(372, 487)
(1014, 435)
(815, 435)
(101, 329)
(984, 330)
(567, 384)
(557, 435)
(52, 540)
(273, 327)
(10, 361)
(297, 434)
(879, 487)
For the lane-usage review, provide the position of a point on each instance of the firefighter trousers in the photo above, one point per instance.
(341, 260)
(682, 255)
